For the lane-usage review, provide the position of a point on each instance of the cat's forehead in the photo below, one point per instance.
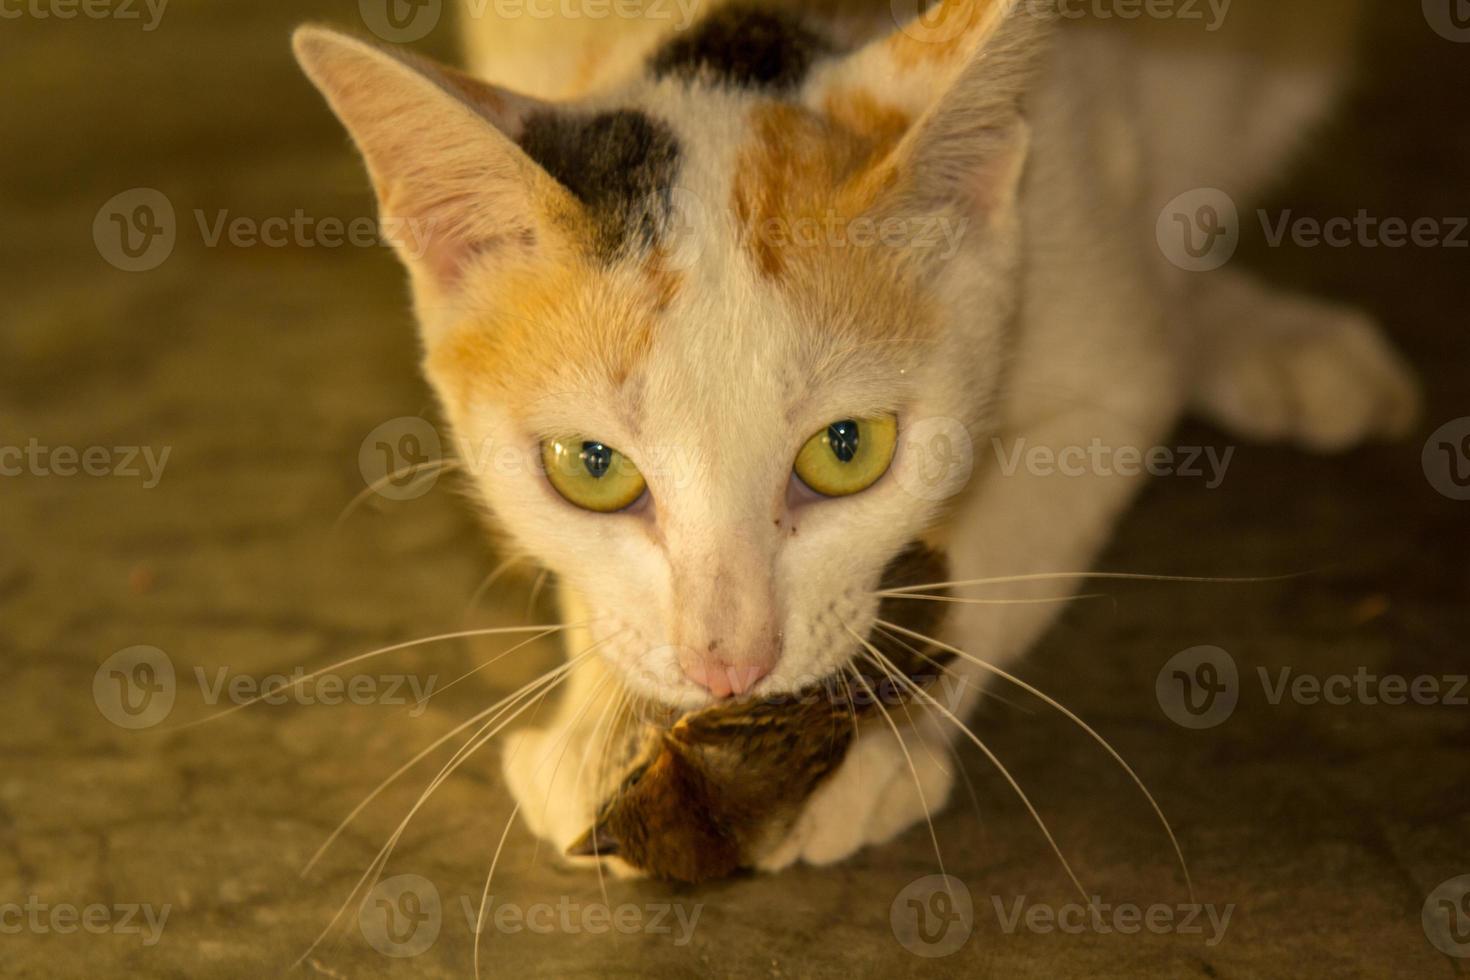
(720, 261)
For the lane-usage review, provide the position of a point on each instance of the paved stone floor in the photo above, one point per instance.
(261, 370)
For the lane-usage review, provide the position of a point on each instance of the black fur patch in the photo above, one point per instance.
(620, 164)
(744, 47)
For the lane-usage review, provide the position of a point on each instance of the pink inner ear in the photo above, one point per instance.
(448, 261)
(502, 108)
(452, 185)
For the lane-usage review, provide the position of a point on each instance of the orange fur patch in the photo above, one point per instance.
(943, 34)
(558, 330)
(806, 196)
(802, 171)
(859, 111)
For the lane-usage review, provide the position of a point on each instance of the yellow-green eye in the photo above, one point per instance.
(591, 475)
(847, 456)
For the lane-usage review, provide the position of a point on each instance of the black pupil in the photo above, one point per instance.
(596, 457)
(843, 438)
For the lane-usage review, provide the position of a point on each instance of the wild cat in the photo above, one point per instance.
(728, 283)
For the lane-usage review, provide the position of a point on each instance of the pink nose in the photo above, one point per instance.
(721, 679)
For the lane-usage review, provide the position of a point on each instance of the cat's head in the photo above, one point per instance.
(693, 333)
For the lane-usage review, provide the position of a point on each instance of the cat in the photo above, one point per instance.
(646, 276)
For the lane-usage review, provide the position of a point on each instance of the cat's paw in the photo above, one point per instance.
(872, 797)
(1279, 367)
(541, 770)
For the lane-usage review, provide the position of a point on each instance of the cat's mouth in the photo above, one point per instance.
(705, 790)
(882, 665)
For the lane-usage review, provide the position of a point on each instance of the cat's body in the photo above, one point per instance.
(1057, 322)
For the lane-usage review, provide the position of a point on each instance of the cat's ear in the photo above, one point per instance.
(958, 75)
(453, 187)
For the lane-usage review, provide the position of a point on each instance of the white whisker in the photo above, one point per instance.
(995, 760)
(962, 600)
(1073, 717)
(489, 580)
(479, 667)
(432, 467)
(1107, 576)
(485, 893)
(503, 704)
(913, 771)
(287, 685)
(479, 739)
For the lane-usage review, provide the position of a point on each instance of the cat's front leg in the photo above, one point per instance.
(1026, 518)
(552, 771)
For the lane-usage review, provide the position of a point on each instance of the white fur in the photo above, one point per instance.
(1112, 343)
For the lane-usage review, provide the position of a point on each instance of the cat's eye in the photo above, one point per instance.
(848, 456)
(592, 475)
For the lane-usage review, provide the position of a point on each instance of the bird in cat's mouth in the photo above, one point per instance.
(708, 793)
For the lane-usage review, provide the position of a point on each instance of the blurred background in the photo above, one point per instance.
(205, 357)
